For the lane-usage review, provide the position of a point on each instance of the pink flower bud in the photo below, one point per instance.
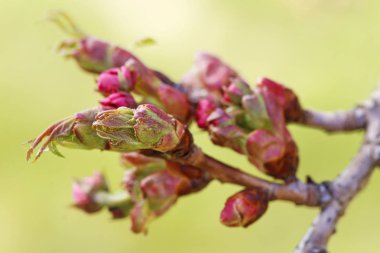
(116, 79)
(84, 191)
(234, 92)
(95, 55)
(164, 184)
(244, 208)
(204, 108)
(141, 162)
(118, 99)
(273, 155)
(214, 73)
(174, 102)
(281, 102)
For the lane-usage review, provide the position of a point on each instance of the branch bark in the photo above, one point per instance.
(347, 185)
(349, 120)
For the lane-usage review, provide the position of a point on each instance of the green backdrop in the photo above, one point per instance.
(327, 51)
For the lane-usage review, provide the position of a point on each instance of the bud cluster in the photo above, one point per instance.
(121, 72)
(250, 121)
(156, 145)
(151, 187)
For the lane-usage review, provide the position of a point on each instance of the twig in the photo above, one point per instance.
(349, 120)
(300, 193)
(347, 185)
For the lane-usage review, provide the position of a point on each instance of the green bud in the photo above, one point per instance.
(256, 116)
(146, 127)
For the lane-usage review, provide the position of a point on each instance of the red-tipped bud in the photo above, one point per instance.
(84, 191)
(204, 108)
(174, 102)
(116, 79)
(118, 99)
(236, 90)
(213, 72)
(219, 117)
(244, 208)
(141, 162)
(272, 155)
(281, 99)
(164, 184)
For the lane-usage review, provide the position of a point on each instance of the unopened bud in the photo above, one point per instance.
(272, 155)
(118, 99)
(204, 108)
(244, 208)
(164, 184)
(116, 79)
(84, 191)
(146, 127)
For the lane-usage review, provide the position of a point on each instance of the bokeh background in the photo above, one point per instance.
(327, 51)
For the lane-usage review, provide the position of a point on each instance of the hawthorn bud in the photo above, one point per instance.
(174, 102)
(74, 132)
(118, 99)
(141, 162)
(204, 108)
(213, 72)
(255, 113)
(273, 155)
(164, 184)
(244, 208)
(236, 90)
(146, 127)
(95, 55)
(116, 79)
(280, 98)
(84, 191)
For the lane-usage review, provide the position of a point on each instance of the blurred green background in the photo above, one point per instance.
(327, 51)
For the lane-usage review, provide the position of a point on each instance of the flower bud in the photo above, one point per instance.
(174, 102)
(84, 191)
(74, 132)
(116, 79)
(204, 108)
(95, 55)
(164, 184)
(207, 77)
(118, 99)
(236, 90)
(146, 127)
(280, 98)
(141, 162)
(255, 114)
(244, 208)
(273, 155)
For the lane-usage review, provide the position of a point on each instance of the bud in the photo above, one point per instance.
(84, 191)
(244, 208)
(164, 184)
(280, 98)
(74, 132)
(141, 162)
(255, 113)
(204, 108)
(236, 90)
(146, 127)
(208, 77)
(95, 55)
(213, 72)
(273, 155)
(174, 102)
(116, 79)
(118, 99)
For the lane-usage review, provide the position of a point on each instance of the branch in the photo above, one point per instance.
(347, 185)
(349, 120)
(308, 194)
